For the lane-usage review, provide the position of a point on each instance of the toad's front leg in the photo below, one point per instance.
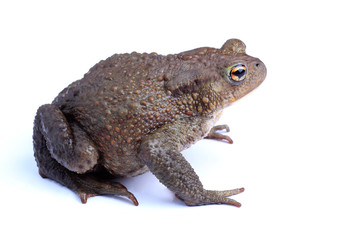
(161, 153)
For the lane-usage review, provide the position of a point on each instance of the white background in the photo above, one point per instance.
(296, 138)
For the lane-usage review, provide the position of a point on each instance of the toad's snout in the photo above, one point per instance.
(258, 70)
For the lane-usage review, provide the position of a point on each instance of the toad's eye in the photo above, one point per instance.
(237, 73)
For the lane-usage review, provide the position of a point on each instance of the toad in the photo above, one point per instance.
(134, 113)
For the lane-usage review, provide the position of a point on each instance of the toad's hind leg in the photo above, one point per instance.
(84, 185)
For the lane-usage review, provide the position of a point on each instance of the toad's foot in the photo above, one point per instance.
(87, 185)
(213, 134)
(214, 197)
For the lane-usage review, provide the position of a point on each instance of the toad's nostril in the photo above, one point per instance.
(257, 64)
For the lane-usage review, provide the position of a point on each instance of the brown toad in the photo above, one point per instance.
(132, 113)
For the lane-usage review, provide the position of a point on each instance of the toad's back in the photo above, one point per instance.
(118, 102)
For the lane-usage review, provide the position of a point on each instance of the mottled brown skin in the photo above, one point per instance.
(136, 112)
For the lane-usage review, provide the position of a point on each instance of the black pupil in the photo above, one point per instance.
(240, 72)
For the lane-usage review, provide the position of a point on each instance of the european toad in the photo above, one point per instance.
(132, 113)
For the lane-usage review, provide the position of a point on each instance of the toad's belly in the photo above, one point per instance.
(124, 166)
